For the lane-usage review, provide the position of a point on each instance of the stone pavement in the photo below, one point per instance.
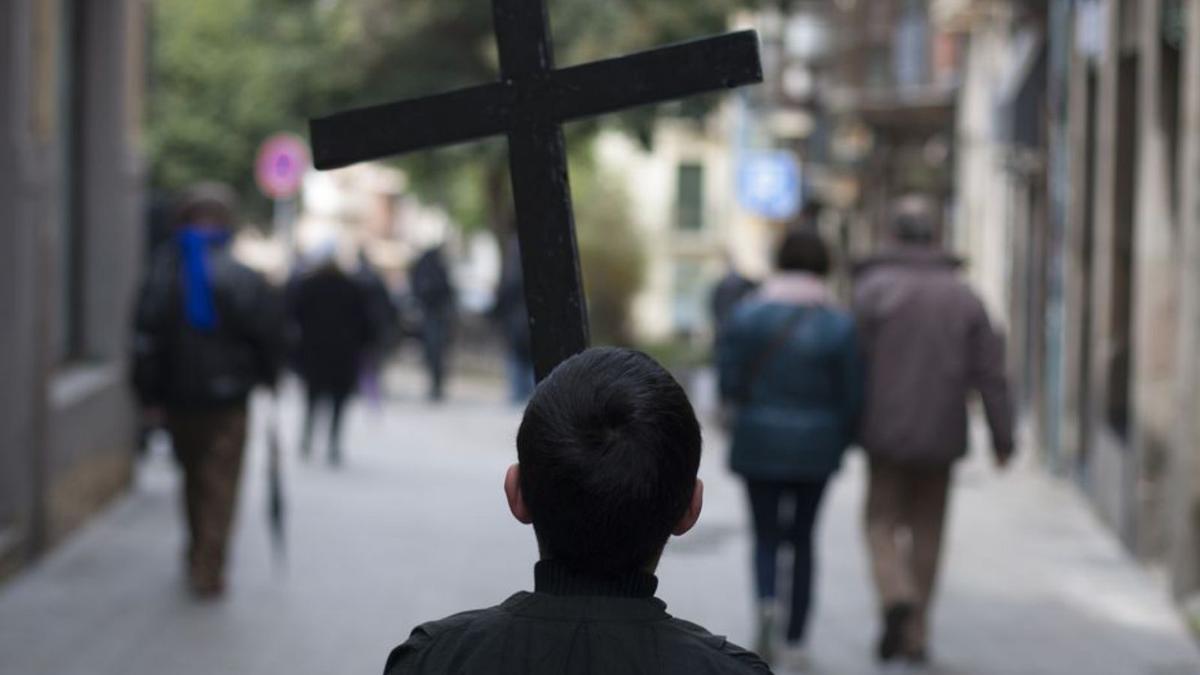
(414, 527)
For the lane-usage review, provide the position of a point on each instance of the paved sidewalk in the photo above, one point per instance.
(415, 527)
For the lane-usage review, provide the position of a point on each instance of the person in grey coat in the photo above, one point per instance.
(928, 344)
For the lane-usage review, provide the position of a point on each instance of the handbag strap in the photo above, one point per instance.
(778, 339)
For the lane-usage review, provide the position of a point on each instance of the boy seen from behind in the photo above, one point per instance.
(608, 453)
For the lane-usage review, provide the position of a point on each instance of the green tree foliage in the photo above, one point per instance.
(227, 73)
(611, 254)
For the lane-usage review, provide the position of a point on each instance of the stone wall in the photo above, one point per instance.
(67, 424)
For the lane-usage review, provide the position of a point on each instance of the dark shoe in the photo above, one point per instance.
(895, 619)
(917, 657)
(206, 586)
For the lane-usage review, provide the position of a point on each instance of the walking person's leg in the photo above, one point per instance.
(310, 417)
(220, 472)
(886, 513)
(337, 405)
(441, 346)
(433, 339)
(808, 496)
(520, 375)
(187, 443)
(764, 509)
(927, 521)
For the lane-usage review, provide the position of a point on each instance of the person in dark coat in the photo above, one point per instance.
(608, 452)
(385, 325)
(789, 363)
(331, 316)
(511, 313)
(207, 331)
(732, 288)
(929, 345)
(430, 283)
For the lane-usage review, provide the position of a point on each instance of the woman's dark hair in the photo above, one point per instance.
(609, 448)
(803, 251)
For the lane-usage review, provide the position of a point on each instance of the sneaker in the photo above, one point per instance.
(206, 586)
(793, 658)
(895, 618)
(918, 658)
(764, 644)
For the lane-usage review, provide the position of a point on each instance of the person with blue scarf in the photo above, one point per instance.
(207, 331)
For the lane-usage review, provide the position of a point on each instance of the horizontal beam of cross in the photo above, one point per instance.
(562, 95)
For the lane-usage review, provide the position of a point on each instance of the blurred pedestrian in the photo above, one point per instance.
(789, 364)
(732, 288)
(430, 282)
(384, 317)
(511, 313)
(207, 331)
(331, 316)
(928, 343)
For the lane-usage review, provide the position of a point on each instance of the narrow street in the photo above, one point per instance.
(414, 527)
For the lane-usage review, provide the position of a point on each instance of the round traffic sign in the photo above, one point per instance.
(769, 184)
(282, 161)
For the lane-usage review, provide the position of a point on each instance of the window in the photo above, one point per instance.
(69, 137)
(910, 47)
(689, 204)
(690, 292)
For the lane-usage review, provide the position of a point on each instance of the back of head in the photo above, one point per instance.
(322, 253)
(210, 205)
(914, 220)
(609, 449)
(802, 250)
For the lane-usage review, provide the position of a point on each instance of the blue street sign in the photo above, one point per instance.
(768, 184)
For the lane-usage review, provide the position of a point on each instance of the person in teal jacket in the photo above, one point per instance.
(790, 366)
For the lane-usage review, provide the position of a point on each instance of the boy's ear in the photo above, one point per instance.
(688, 521)
(512, 490)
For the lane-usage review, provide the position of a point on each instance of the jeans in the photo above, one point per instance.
(520, 376)
(785, 514)
(336, 401)
(435, 336)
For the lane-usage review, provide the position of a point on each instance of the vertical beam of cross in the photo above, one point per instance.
(541, 194)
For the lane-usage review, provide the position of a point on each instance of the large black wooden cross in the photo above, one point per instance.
(528, 104)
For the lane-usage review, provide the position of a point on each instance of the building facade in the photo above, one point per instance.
(689, 225)
(1093, 253)
(70, 250)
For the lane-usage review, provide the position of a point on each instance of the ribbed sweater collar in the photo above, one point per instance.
(555, 578)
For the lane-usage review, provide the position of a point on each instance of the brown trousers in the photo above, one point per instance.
(906, 511)
(209, 446)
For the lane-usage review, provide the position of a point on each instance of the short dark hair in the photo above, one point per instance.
(215, 203)
(803, 251)
(914, 219)
(609, 449)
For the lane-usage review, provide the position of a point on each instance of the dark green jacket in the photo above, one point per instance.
(571, 624)
(797, 416)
